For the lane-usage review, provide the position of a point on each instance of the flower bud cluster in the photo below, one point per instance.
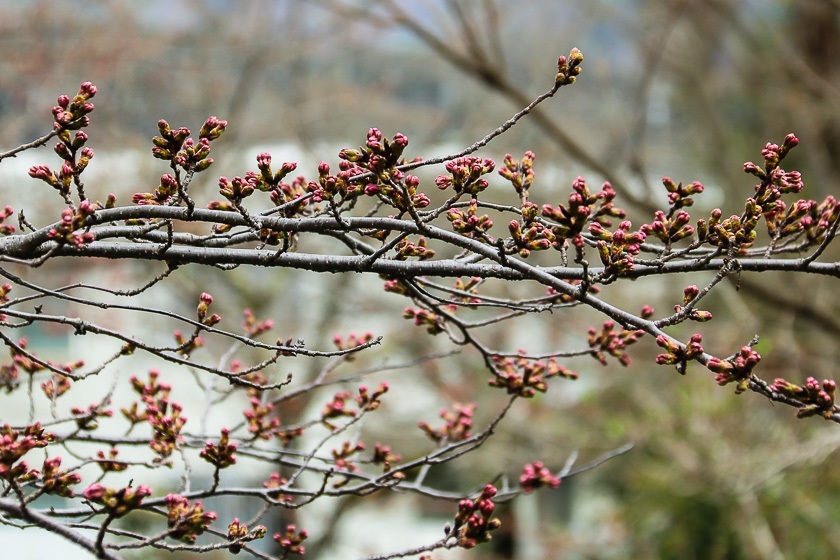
(72, 114)
(289, 346)
(117, 502)
(56, 386)
(776, 182)
(166, 421)
(253, 328)
(4, 292)
(23, 359)
(164, 194)
(262, 423)
(271, 237)
(465, 175)
(568, 68)
(773, 154)
(406, 249)
(732, 232)
(286, 435)
(266, 180)
(817, 398)
(286, 193)
(366, 400)
(110, 463)
(689, 294)
(6, 229)
(186, 521)
(529, 234)
(524, 377)
(819, 219)
(617, 249)
(238, 534)
(474, 522)
(519, 173)
(86, 419)
(169, 142)
(76, 158)
(239, 188)
(669, 229)
(150, 392)
(274, 482)
(536, 475)
(583, 207)
(612, 342)
(4, 298)
(402, 195)
(423, 317)
(56, 481)
(162, 415)
(785, 222)
(14, 444)
(783, 182)
(270, 181)
(72, 220)
(337, 408)
(178, 147)
(336, 188)
(468, 287)
(468, 223)
(189, 344)
(59, 181)
(221, 455)
(204, 302)
(378, 155)
(679, 196)
(394, 286)
(267, 235)
(677, 354)
(291, 541)
(382, 456)
(457, 424)
(735, 370)
(352, 341)
(341, 457)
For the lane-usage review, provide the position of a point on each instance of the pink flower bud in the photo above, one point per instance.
(94, 492)
(88, 89)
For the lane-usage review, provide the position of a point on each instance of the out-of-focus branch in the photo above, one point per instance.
(482, 67)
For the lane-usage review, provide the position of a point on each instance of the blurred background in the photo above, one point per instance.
(687, 89)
